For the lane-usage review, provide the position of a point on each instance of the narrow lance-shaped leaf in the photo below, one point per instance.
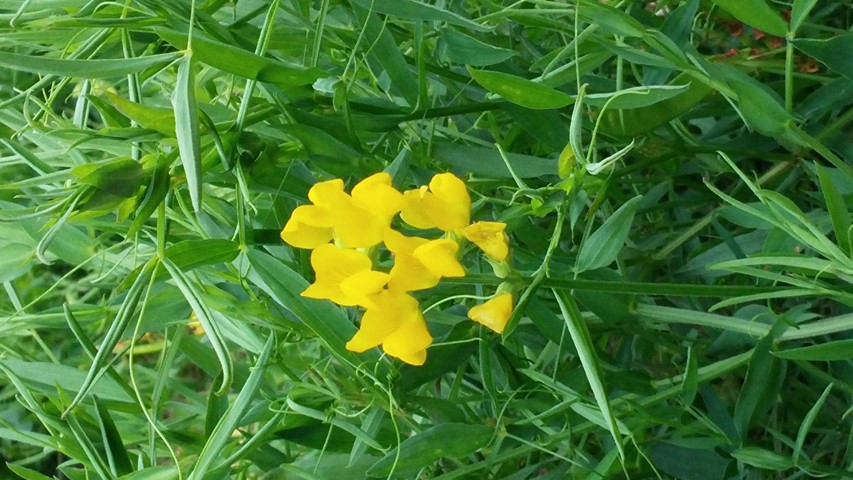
(119, 325)
(452, 440)
(755, 13)
(586, 353)
(98, 68)
(117, 457)
(833, 52)
(762, 384)
(225, 428)
(186, 129)
(799, 11)
(521, 91)
(601, 248)
(211, 328)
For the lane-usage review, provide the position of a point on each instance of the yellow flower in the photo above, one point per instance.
(420, 263)
(494, 313)
(490, 237)
(357, 221)
(445, 204)
(344, 276)
(396, 323)
(313, 225)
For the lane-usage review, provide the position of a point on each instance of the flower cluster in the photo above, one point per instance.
(344, 231)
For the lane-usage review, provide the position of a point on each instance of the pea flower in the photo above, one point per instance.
(494, 313)
(445, 204)
(490, 237)
(357, 220)
(395, 322)
(344, 276)
(420, 263)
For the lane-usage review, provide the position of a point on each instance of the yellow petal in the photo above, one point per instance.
(333, 266)
(392, 312)
(356, 227)
(332, 262)
(324, 193)
(494, 313)
(439, 257)
(456, 203)
(375, 328)
(308, 227)
(376, 195)
(410, 274)
(400, 244)
(328, 291)
(414, 211)
(409, 342)
(490, 237)
(311, 215)
(305, 236)
(361, 286)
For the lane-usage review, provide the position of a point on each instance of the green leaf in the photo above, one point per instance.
(488, 161)
(610, 18)
(117, 456)
(153, 473)
(26, 473)
(807, 422)
(153, 118)
(636, 97)
(212, 329)
(415, 10)
(318, 142)
(636, 121)
(155, 193)
(576, 132)
(582, 341)
(521, 91)
(602, 247)
(121, 177)
(837, 208)
(763, 381)
(456, 47)
(186, 129)
(762, 458)
(833, 52)
(224, 430)
(241, 62)
(190, 254)
(799, 11)
(100, 68)
(452, 440)
(755, 13)
(119, 325)
(758, 105)
(46, 376)
(827, 352)
(686, 463)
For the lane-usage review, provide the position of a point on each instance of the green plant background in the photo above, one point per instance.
(675, 177)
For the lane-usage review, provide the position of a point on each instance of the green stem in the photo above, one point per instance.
(789, 75)
(639, 288)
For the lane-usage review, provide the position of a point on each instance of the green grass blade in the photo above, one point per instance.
(205, 317)
(99, 68)
(222, 433)
(119, 325)
(186, 129)
(586, 352)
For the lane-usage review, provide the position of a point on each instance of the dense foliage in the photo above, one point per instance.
(674, 178)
